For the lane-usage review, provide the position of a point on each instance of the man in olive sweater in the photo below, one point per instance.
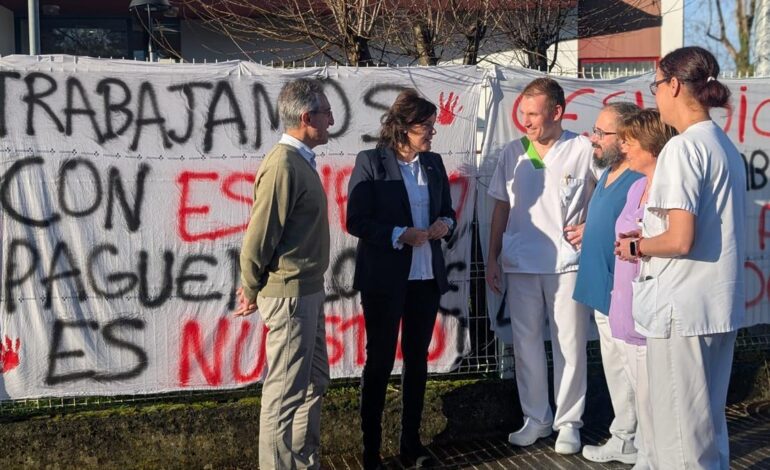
(284, 256)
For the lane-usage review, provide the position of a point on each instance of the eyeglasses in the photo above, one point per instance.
(327, 112)
(600, 133)
(424, 127)
(654, 85)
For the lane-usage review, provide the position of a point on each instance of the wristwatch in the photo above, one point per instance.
(635, 248)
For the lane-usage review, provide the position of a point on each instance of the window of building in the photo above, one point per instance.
(123, 37)
(95, 37)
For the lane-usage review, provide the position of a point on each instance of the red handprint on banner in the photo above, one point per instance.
(448, 109)
(9, 354)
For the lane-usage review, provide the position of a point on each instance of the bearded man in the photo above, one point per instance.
(595, 277)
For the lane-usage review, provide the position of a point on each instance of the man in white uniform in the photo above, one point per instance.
(542, 184)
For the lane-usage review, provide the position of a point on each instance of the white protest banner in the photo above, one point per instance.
(747, 124)
(125, 188)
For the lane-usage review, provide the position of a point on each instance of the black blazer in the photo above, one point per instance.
(378, 202)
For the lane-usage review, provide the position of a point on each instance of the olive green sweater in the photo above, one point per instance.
(285, 250)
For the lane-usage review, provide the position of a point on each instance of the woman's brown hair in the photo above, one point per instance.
(698, 70)
(409, 109)
(646, 127)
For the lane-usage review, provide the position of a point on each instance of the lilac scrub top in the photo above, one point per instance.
(621, 321)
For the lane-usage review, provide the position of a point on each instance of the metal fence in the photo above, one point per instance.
(488, 357)
(607, 73)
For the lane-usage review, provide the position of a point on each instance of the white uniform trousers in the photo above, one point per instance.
(635, 366)
(688, 380)
(532, 299)
(623, 426)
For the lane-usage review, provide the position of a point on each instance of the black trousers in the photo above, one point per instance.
(416, 311)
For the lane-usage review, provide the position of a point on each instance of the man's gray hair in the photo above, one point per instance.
(297, 97)
(622, 110)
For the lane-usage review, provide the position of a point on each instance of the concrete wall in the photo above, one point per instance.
(200, 43)
(672, 30)
(7, 32)
(566, 58)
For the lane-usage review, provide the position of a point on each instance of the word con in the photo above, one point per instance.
(80, 191)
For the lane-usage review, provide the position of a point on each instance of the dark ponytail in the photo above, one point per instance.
(698, 70)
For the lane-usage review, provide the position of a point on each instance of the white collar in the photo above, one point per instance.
(409, 163)
(303, 149)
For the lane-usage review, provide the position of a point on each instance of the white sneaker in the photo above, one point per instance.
(568, 441)
(614, 450)
(641, 462)
(529, 433)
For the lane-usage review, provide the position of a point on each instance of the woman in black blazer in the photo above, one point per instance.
(400, 208)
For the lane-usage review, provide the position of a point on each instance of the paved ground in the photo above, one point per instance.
(749, 425)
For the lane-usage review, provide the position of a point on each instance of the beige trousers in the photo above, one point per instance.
(297, 377)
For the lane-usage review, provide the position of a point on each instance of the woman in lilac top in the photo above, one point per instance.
(621, 321)
(642, 136)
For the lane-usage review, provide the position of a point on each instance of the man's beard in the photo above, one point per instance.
(610, 157)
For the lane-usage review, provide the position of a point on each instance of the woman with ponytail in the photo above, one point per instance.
(688, 300)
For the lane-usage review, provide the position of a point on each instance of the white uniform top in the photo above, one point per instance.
(702, 172)
(542, 202)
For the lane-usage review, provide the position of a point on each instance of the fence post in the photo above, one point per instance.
(506, 364)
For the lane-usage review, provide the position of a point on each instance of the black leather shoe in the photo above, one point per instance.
(415, 454)
(372, 461)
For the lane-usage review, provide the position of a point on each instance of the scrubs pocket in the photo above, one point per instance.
(568, 188)
(568, 255)
(510, 254)
(650, 319)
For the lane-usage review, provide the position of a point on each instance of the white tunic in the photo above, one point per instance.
(702, 172)
(542, 202)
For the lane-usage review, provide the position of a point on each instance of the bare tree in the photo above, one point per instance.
(473, 21)
(429, 31)
(356, 31)
(340, 30)
(421, 31)
(740, 52)
(532, 26)
(426, 31)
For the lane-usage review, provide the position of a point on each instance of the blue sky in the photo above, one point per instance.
(699, 15)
